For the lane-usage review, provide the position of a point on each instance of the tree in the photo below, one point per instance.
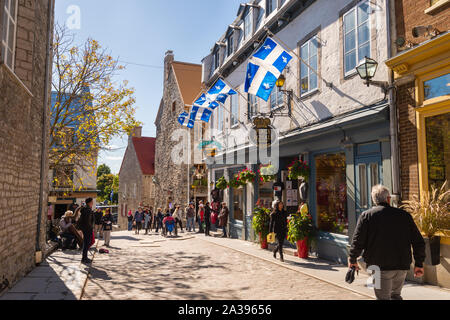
(106, 183)
(89, 108)
(103, 169)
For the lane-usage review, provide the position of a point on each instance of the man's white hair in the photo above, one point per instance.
(380, 194)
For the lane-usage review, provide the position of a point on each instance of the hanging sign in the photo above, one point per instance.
(263, 134)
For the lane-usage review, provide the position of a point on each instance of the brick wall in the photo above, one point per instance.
(411, 13)
(21, 125)
(409, 174)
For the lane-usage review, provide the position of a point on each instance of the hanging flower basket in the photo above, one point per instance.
(267, 173)
(246, 176)
(298, 169)
(222, 184)
(235, 182)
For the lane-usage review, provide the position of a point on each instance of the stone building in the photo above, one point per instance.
(25, 69)
(136, 186)
(420, 63)
(182, 84)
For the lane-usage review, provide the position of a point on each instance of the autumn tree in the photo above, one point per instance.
(89, 106)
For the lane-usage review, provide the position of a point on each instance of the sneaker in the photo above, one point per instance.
(86, 261)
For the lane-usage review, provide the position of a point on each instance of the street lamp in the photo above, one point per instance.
(280, 84)
(367, 70)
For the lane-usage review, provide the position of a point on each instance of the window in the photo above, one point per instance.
(216, 60)
(259, 18)
(252, 106)
(234, 110)
(8, 43)
(356, 36)
(363, 199)
(331, 193)
(437, 87)
(309, 54)
(220, 118)
(230, 44)
(276, 98)
(174, 106)
(248, 25)
(272, 5)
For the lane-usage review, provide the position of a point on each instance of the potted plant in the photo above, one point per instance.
(246, 176)
(222, 183)
(267, 173)
(235, 182)
(260, 224)
(300, 231)
(297, 169)
(432, 218)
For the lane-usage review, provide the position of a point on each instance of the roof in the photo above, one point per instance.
(160, 112)
(145, 152)
(189, 79)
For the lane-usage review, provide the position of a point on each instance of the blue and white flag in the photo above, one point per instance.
(185, 120)
(200, 114)
(219, 92)
(265, 67)
(204, 102)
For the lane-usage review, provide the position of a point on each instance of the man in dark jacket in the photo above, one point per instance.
(386, 235)
(86, 225)
(207, 219)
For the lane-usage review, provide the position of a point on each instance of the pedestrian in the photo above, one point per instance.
(278, 224)
(138, 218)
(177, 215)
(98, 223)
(386, 234)
(159, 219)
(215, 211)
(190, 216)
(146, 220)
(200, 215)
(151, 217)
(130, 221)
(107, 225)
(207, 219)
(86, 225)
(223, 219)
(69, 233)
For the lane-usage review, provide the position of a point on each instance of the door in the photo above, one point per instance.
(368, 174)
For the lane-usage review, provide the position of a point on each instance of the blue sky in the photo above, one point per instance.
(141, 31)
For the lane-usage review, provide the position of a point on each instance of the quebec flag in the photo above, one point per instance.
(265, 67)
(219, 92)
(200, 114)
(205, 103)
(185, 121)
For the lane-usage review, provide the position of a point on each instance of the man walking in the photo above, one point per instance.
(223, 219)
(190, 214)
(386, 235)
(86, 225)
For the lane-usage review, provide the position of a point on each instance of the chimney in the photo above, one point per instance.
(136, 133)
(168, 59)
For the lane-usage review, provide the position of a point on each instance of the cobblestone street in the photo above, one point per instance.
(152, 267)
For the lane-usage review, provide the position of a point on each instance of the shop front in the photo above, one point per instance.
(425, 71)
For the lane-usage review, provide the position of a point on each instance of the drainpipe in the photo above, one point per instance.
(393, 119)
(44, 144)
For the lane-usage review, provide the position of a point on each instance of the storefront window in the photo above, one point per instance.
(438, 149)
(437, 87)
(238, 204)
(331, 190)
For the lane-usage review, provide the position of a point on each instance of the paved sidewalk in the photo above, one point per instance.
(329, 272)
(61, 276)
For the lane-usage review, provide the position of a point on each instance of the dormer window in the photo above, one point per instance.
(248, 25)
(230, 44)
(216, 60)
(271, 6)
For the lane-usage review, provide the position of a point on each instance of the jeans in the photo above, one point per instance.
(107, 236)
(87, 238)
(190, 224)
(391, 284)
(224, 230)
(280, 238)
(158, 225)
(130, 225)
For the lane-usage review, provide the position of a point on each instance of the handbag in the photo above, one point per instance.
(271, 237)
(350, 276)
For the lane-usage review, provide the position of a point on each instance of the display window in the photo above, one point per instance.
(331, 193)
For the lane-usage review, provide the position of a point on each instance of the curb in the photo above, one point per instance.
(291, 268)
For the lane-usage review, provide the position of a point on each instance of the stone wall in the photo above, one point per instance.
(172, 179)
(21, 146)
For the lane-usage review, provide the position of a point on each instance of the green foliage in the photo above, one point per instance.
(103, 169)
(236, 182)
(106, 183)
(298, 169)
(222, 183)
(300, 227)
(261, 221)
(200, 183)
(267, 173)
(246, 176)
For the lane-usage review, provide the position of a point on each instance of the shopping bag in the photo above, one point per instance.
(271, 238)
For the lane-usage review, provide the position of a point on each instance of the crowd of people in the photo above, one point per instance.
(170, 221)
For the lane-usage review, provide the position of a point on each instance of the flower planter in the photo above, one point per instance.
(433, 251)
(302, 248)
(263, 242)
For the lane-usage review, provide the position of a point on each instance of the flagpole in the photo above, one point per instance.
(329, 84)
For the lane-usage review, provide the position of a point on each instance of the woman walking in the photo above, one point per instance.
(130, 221)
(207, 218)
(146, 220)
(107, 223)
(200, 214)
(278, 224)
(223, 219)
(159, 219)
(138, 218)
(177, 215)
